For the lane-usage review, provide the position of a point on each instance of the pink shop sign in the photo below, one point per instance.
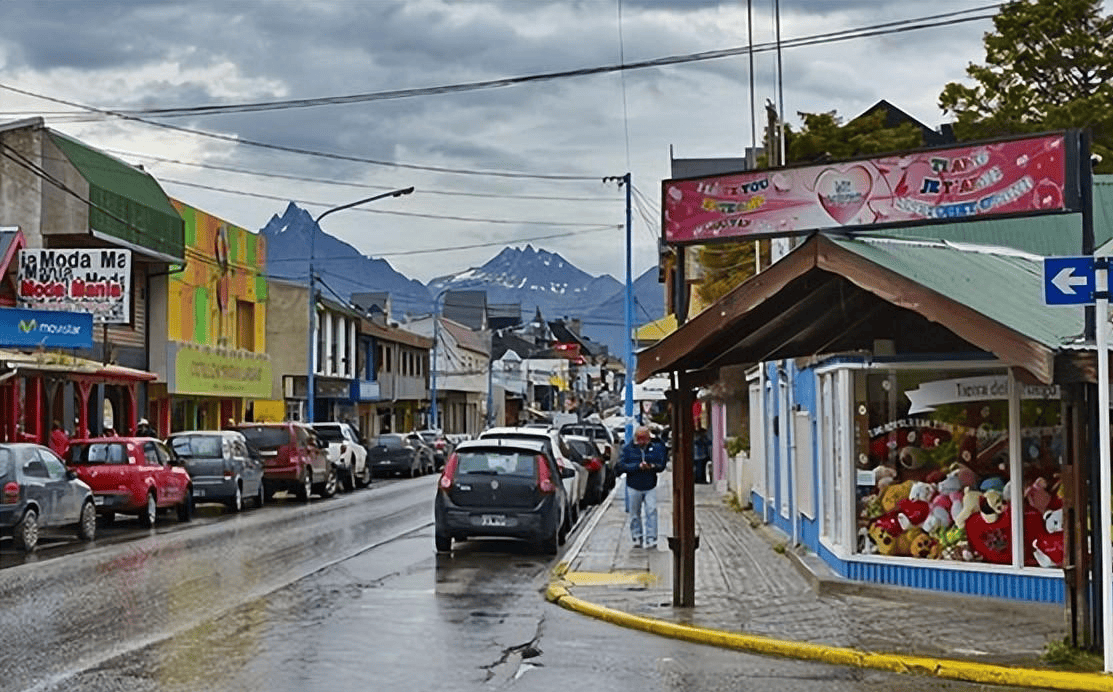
(1012, 177)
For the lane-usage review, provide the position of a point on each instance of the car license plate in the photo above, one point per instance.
(98, 499)
(492, 520)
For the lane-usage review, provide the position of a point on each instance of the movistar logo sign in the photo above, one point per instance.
(27, 326)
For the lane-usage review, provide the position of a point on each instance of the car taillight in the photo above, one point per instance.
(593, 464)
(448, 475)
(11, 493)
(440, 444)
(544, 477)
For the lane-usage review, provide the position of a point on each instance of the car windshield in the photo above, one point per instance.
(264, 437)
(329, 433)
(497, 463)
(98, 453)
(197, 446)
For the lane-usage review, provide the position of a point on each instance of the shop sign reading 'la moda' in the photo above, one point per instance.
(96, 281)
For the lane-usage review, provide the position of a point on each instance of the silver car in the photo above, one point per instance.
(223, 465)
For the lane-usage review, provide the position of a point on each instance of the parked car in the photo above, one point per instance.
(577, 482)
(347, 453)
(395, 453)
(223, 465)
(132, 475)
(429, 463)
(604, 438)
(38, 492)
(505, 487)
(440, 443)
(587, 454)
(294, 459)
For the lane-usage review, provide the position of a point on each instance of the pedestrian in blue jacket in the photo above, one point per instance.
(642, 459)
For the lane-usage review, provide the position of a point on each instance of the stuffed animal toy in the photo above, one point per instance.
(906, 539)
(1037, 496)
(991, 540)
(911, 457)
(1048, 548)
(885, 476)
(939, 515)
(970, 501)
(926, 546)
(893, 494)
(884, 537)
(992, 483)
(991, 505)
(914, 510)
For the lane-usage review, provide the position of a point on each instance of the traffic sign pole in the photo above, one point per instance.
(1105, 483)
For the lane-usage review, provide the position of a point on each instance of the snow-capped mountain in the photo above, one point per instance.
(341, 267)
(533, 278)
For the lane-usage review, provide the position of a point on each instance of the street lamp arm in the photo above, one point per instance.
(394, 193)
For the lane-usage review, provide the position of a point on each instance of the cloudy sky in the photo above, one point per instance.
(493, 164)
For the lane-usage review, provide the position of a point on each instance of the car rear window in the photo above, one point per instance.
(266, 437)
(388, 441)
(98, 453)
(584, 447)
(329, 433)
(498, 463)
(197, 446)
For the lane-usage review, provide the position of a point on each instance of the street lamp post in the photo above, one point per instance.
(433, 414)
(311, 353)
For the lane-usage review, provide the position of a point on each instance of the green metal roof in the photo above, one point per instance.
(127, 203)
(1004, 285)
(1048, 235)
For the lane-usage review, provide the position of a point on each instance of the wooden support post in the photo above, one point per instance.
(684, 541)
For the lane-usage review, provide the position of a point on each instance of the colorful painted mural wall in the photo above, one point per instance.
(225, 277)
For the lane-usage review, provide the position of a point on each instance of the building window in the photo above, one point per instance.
(245, 325)
(934, 470)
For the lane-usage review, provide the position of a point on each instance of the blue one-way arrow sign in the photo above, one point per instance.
(1068, 280)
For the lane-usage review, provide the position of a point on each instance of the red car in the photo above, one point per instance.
(295, 459)
(132, 475)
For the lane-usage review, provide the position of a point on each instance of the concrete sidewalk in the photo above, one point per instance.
(772, 600)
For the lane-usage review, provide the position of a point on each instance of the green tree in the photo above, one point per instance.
(1049, 66)
(822, 137)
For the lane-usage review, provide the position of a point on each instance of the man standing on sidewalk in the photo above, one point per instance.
(642, 459)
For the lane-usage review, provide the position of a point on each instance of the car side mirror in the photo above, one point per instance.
(567, 473)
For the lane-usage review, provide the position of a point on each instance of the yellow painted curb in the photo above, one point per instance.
(896, 663)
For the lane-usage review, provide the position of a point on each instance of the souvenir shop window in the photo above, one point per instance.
(934, 474)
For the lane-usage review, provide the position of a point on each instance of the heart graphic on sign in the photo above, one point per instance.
(843, 193)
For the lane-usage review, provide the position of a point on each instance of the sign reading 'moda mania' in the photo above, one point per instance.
(94, 281)
(1009, 177)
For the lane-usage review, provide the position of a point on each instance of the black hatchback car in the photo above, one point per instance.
(501, 487)
(37, 491)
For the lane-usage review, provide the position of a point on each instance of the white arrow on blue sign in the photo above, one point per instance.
(1068, 280)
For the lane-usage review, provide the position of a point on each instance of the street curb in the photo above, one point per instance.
(895, 663)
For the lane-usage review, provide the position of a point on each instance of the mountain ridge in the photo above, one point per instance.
(533, 278)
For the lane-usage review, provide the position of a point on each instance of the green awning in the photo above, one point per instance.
(126, 203)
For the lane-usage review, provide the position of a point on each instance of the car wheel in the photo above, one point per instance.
(27, 531)
(331, 481)
(87, 525)
(364, 478)
(306, 488)
(185, 507)
(235, 504)
(260, 495)
(150, 512)
(443, 543)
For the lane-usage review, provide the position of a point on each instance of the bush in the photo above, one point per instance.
(736, 445)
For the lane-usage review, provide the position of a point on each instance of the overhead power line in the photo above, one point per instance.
(135, 115)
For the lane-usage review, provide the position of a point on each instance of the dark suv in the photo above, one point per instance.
(608, 446)
(294, 459)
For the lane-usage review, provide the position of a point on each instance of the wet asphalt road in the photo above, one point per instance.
(342, 594)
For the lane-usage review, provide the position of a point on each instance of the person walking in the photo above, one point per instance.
(701, 455)
(642, 459)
